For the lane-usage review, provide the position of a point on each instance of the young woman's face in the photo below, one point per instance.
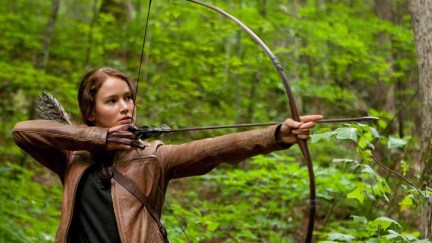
(114, 104)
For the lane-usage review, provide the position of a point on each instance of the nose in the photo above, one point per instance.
(124, 108)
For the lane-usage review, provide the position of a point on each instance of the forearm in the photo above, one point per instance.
(50, 142)
(44, 134)
(201, 156)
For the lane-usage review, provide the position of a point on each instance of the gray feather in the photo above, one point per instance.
(49, 108)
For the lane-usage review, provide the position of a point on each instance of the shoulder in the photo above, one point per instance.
(153, 146)
(149, 150)
(33, 124)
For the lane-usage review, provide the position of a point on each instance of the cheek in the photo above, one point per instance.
(105, 115)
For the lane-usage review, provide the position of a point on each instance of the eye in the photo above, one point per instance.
(128, 98)
(111, 101)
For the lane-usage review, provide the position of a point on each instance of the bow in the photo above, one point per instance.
(294, 112)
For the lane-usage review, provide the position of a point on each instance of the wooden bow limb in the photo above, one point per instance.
(294, 111)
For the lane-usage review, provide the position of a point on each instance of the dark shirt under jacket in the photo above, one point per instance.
(94, 220)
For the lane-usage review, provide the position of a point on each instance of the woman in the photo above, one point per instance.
(103, 167)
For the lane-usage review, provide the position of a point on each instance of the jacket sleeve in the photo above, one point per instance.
(201, 156)
(50, 142)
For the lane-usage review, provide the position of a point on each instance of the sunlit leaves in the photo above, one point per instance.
(372, 187)
(269, 187)
(358, 193)
(384, 223)
(38, 212)
(406, 203)
(340, 237)
(381, 229)
(340, 133)
(360, 219)
(350, 132)
(199, 68)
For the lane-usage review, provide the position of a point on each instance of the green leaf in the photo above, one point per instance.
(384, 222)
(368, 170)
(211, 226)
(393, 235)
(358, 193)
(326, 136)
(405, 167)
(341, 237)
(406, 203)
(353, 164)
(366, 155)
(396, 142)
(374, 132)
(360, 219)
(347, 133)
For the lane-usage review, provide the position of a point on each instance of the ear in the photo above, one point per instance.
(92, 118)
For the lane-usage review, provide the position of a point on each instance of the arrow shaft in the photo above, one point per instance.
(356, 119)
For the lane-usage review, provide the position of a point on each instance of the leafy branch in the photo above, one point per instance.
(361, 135)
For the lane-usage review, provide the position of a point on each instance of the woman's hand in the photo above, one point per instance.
(291, 131)
(119, 137)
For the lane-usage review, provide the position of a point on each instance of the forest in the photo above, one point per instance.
(195, 67)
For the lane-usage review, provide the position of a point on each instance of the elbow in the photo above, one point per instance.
(18, 133)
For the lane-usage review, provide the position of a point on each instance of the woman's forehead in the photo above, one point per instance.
(113, 86)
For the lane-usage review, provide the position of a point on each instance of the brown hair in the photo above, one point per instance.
(90, 85)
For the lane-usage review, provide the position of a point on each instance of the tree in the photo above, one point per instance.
(421, 12)
(43, 56)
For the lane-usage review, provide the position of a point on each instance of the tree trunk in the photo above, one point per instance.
(421, 14)
(42, 59)
(87, 63)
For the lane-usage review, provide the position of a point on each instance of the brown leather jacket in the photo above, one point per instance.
(65, 149)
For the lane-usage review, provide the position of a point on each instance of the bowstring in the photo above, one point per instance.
(167, 204)
(142, 56)
(133, 114)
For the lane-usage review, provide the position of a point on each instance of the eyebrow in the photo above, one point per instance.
(115, 96)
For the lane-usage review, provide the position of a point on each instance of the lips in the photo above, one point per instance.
(126, 120)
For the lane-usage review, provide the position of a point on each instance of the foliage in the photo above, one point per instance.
(371, 186)
(276, 191)
(30, 210)
(342, 59)
(349, 196)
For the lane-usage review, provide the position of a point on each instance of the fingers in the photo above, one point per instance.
(311, 118)
(110, 146)
(301, 134)
(307, 126)
(292, 124)
(291, 131)
(118, 129)
(120, 137)
(306, 122)
(122, 134)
